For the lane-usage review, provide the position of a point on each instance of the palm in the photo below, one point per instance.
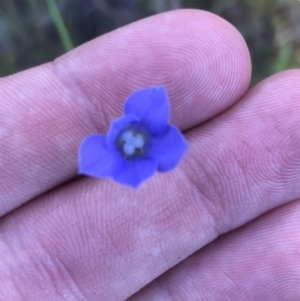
(86, 239)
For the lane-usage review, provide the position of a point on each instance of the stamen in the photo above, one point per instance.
(132, 142)
(128, 149)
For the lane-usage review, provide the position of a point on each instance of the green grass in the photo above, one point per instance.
(60, 25)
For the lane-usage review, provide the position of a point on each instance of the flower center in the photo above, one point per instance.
(132, 143)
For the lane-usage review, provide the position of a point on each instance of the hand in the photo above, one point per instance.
(90, 239)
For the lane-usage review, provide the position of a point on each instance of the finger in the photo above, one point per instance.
(45, 113)
(106, 242)
(257, 262)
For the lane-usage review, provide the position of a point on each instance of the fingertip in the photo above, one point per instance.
(201, 58)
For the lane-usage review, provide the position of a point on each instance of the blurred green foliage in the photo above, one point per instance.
(60, 25)
(36, 31)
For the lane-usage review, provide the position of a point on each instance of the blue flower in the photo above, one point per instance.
(138, 144)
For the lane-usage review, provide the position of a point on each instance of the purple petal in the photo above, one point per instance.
(168, 149)
(117, 126)
(151, 106)
(95, 159)
(134, 172)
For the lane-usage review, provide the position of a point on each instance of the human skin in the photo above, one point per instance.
(78, 238)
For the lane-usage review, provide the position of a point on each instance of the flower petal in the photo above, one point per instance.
(117, 126)
(151, 105)
(134, 172)
(95, 159)
(168, 149)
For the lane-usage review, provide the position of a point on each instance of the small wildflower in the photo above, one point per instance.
(138, 144)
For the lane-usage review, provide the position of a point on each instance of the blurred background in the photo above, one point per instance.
(36, 31)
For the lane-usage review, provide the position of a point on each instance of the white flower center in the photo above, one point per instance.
(132, 141)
